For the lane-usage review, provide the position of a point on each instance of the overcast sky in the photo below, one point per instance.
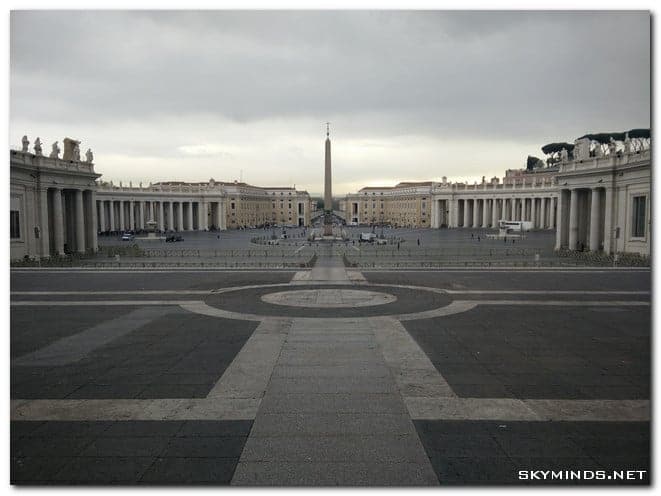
(410, 95)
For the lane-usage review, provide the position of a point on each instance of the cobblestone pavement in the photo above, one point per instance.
(270, 378)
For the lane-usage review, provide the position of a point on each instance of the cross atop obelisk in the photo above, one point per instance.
(328, 195)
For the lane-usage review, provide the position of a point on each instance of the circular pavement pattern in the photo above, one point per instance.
(328, 298)
(327, 301)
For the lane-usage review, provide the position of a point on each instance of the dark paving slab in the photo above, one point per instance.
(141, 280)
(408, 301)
(485, 452)
(126, 452)
(541, 352)
(180, 355)
(518, 280)
(33, 328)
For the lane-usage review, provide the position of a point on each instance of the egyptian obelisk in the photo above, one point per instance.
(328, 195)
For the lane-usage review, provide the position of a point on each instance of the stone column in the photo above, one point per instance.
(111, 215)
(44, 245)
(533, 212)
(203, 216)
(219, 215)
(494, 213)
(452, 212)
(573, 219)
(552, 212)
(608, 221)
(190, 216)
(561, 215)
(594, 220)
(180, 217)
(141, 215)
(170, 216)
(485, 213)
(151, 210)
(102, 216)
(161, 217)
(122, 224)
(131, 215)
(542, 213)
(512, 208)
(476, 213)
(58, 222)
(466, 212)
(93, 228)
(80, 221)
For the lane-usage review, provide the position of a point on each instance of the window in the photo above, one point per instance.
(638, 221)
(15, 225)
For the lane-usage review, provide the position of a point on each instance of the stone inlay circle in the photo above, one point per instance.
(328, 298)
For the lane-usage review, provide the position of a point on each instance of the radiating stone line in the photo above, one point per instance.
(73, 348)
(530, 409)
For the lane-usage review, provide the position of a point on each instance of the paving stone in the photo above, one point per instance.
(49, 446)
(334, 449)
(339, 403)
(190, 471)
(215, 428)
(336, 424)
(103, 470)
(144, 428)
(332, 474)
(126, 446)
(204, 447)
(36, 469)
(316, 384)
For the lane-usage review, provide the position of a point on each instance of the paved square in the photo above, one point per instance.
(259, 377)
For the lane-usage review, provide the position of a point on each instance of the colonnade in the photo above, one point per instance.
(67, 221)
(585, 219)
(486, 212)
(169, 215)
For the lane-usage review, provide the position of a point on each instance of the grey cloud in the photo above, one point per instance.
(487, 75)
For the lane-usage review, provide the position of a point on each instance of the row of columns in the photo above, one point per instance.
(585, 219)
(486, 212)
(67, 221)
(128, 215)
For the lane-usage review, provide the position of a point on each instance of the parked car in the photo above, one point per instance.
(173, 239)
(127, 237)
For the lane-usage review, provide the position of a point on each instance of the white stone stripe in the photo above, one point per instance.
(72, 348)
(419, 408)
(145, 270)
(152, 409)
(120, 292)
(100, 303)
(410, 366)
(542, 292)
(579, 303)
(530, 409)
(249, 373)
(599, 270)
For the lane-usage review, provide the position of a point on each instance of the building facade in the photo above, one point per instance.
(407, 204)
(597, 198)
(201, 206)
(59, 205)
(604, 200)
(52, 203)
